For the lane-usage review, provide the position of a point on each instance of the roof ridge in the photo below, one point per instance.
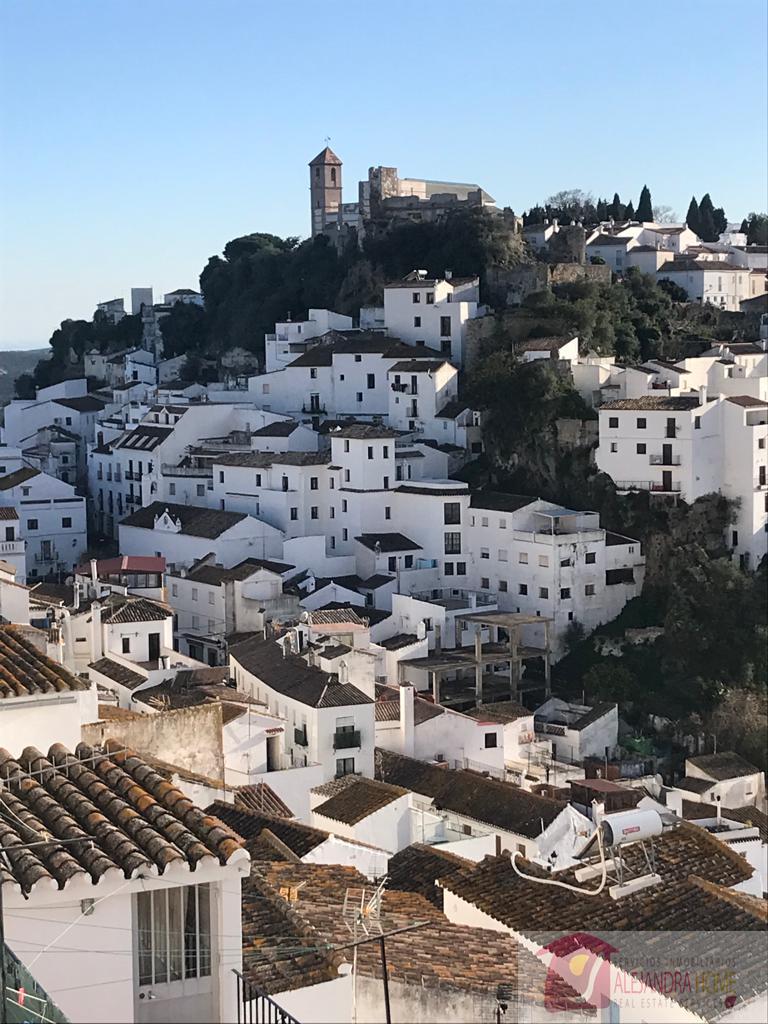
(755, 906)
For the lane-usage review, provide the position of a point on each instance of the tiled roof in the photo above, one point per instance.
(19, 476)
(84, 403)
(329, 789)
(134, 609)
(195, 520)
(495, 888)
(417, 867)
(452, 409)
(387, 542)
(499, 711)
(418, 366)
(398, 641)
(423, 710)
(433, 492)
(215, 575)
(366, 431)
(144, 438)
(358, 801)
(496, 501)
(471, 795)
(747, 401)
(749, 817)
(280, 428)
(262, 799)
(727, 765)
(594, 714)
(336, 616)
(26, 671)
(290, 674)
(301, 839)
(124, 564)
(118, 673)
(262, 460)
(669, 403)
(440, 957)
(544, 344)
(8, 512)
(610, 240)
(693, 785)
(714, 266)
(131, 819)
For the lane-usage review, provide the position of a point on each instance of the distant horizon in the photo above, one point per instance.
(140, 180)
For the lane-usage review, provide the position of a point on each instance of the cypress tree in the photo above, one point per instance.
(645, 207)
(616, 209)
(744, 229)
(629, 211)
(721, 221)
(707, 230)
(692, 217)
(602, 209)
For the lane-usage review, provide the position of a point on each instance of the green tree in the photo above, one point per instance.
(692, 216)
(757, 229)
(645, 206)
(616, 208)
(707, 229)
(629, 211)
(720, 219)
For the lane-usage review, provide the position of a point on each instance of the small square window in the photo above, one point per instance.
(491, 740)
(485, 583)
(126, 644)
(590, 558)
(314, 512)
(416, 297)
(448, 568)
(641, 449)
(31, 524)
(614, 446)
(589, 590)
(461, 568)
(522, 588)
(503, 586)
(565, 593)
(485, 553)
(613, 421)
(313, 483)
(313, 373)
(523, 558)
(544, 592)
(359, 396)
(641, 423)
(294, 514)
(544, 561)
(66, 523)
(417, 321)
(358, 358)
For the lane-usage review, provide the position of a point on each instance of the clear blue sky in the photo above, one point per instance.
(138, 136)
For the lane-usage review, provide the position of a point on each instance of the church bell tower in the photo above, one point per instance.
(324, 189)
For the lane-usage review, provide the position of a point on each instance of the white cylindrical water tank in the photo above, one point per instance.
(631, 826)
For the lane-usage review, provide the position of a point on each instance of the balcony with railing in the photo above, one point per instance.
(300, 737)
(456, 598)
(664, 460)
(672, 487)
(12, 547)
(256, 1007)
(405, 389)
(346, 739)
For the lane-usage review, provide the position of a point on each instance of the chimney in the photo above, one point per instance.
(407, 720)
(703, 394)
(94, 577)
(97, 641)
(448, 275)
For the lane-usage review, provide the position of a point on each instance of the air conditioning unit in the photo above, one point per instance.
(440, 757)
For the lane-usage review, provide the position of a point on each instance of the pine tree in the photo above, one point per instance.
(707, 230)
(692, 217)
(645, 206)
(629, 211)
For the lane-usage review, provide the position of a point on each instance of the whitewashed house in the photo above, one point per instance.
(432, 312)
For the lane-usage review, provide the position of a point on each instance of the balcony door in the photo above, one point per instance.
(666, 455)
(666, 480)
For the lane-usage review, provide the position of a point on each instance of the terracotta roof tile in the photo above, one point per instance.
(359, 800)
(26, 671)
(127, 814)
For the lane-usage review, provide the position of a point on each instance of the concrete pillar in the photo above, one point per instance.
(547, 662)
(434, 680)
(514, 663)
(478, 665)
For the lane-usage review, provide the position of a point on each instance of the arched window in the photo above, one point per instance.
(333, 175)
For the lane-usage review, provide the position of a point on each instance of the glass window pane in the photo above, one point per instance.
(190, 931)
(160, 936)
(204, 927)
(144, 913)
(175, 935)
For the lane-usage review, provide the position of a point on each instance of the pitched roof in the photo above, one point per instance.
(262, 460)
(195, 520)
(363, 798)
(713, 266)
(262, 799)
(495, 501)
(499, 711)
(544, 344)
(474, 796)
(455, 407)
(130, 818)
(727, 765)
(215, 575)
(119, 610)
(144, 437)
(749, 817)
(334, 616)
(418, 366)
(366, 431)
(291, 675)
(280, 428)
(325, 156)
(610, 240)
(660, 403)
(83, 403)
(747, 401)
(248, 823)
(8, 512)
(19, 476)
(26, 671)
(124, 564)
(388, 542)
(693, 785)
(417, 867)
(398, 641)
(285, 902)
(118, 672)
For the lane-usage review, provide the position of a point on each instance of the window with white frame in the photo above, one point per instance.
(174, 934)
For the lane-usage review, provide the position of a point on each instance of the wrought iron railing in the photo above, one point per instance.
(255, 1006)
(346, 740)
